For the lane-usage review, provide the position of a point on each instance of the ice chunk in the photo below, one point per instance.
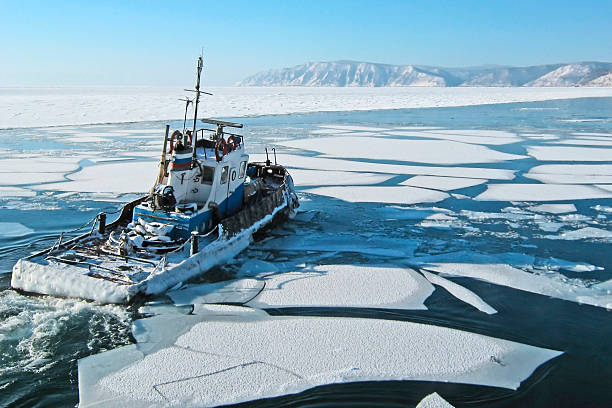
(583, 233)
(381, 194)
(346, 286)
(553, 208)
(566, 153)
(420, 151)
(221, 360)
(460, 292)
(541, 192)
(237, 291)
(406, 213)
(442, 183)
(14, 229)
(433, 400)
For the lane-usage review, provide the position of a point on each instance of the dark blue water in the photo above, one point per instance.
(42, 338)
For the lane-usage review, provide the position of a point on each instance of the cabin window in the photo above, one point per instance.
(208, 173)
(224, 172)
(242, 167)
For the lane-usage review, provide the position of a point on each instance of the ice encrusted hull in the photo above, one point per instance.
(71, 281)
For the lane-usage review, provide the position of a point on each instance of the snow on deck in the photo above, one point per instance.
(223, 355)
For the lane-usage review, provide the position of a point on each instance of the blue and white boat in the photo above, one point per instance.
(204, 208)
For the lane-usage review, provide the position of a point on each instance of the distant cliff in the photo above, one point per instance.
(352, 73)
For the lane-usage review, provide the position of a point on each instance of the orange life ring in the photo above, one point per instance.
(221, 149)
(233, 141)
(175, 134)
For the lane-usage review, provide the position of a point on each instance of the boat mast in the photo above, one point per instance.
(195, 115)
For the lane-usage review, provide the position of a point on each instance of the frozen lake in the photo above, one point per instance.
(483, 233)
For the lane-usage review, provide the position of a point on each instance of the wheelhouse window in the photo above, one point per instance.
(242, 168)
(208, 173)
(224, 173)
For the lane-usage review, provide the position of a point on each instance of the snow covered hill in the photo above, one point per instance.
(352, 73)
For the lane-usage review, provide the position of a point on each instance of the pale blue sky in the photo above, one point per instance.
(48, 43)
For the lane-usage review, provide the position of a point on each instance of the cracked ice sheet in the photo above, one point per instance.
(237, 291)
(326, 177)
(419, 151)
(118, 178)
(319, 163)
(541, 192)
(381, 194)
(463, 138)
(572, 173)
(460, 292)
(434, 400)
(490, 269)
(222, 360)
(563, 153)
(346, 286)
(15, 192)
(442, 183)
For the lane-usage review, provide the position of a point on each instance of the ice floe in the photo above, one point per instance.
(214, 359)
(541, 192)
(326, 178)
(572, 154)
(493, 269)
(118, 178)
(421, 151)
(14, 229)
(583, 233)
(238, 291)
(442, 183)
(346, 286)
(381, 194)
(460, 292)
(553, 208)
(433, 400)
(572, 173)
(6, 192)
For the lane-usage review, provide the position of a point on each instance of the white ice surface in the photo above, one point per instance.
(583, 233)
(346, 286)
(433, 400)
(567, 153)
(381, 194)
(220, 360)
(320, 163)
(21, 107)
(118, 178)
(541, 192)
(460, 292)
(420, 151)
(490, 269)
(553, 208)
(572, 173)
(237, 291)
(472, 137)
(6, 192)
(331, 178)
(13, 229)
(441, 183)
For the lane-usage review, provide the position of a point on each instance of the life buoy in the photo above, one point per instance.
(175, 135)
(233, 141)
(221, 149)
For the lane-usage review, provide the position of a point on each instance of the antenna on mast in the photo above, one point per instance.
(195, 114)
(187, 103)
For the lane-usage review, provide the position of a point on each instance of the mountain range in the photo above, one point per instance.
(354, 73)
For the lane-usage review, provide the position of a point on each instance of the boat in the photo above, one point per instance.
(206, 203)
